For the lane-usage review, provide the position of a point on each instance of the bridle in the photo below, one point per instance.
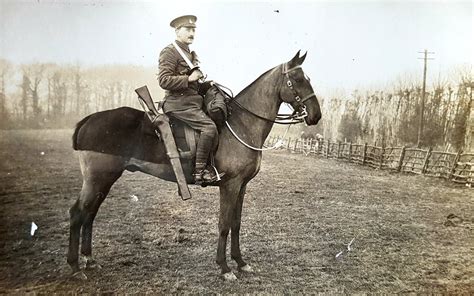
(296, 117)
(300, 108)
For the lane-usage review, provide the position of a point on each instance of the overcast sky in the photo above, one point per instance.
(350, 43)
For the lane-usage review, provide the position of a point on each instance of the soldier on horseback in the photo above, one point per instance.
(184, 94)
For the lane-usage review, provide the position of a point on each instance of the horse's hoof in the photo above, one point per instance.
(80, 275)
(246, 268)
(229, 276)
(92, 264)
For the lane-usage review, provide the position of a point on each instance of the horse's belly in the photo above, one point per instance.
(159, 170)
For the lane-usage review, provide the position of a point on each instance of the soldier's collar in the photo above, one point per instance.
(184, 46)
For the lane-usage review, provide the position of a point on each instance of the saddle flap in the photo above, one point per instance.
(185, 137)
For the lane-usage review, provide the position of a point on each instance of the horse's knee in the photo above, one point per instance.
(74, 209)
(75, 215)
(224, 232)
(236, 227)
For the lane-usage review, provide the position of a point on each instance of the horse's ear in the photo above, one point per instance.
(301, 59)
(294, 61)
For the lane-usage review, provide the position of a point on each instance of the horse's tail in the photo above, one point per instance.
(76, 131)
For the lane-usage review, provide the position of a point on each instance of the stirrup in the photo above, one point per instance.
(207, 177)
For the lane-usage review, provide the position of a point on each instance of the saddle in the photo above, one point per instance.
(185, 137)
(179, 139)
(215, 105)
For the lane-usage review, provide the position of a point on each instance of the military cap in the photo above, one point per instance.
(184, 21)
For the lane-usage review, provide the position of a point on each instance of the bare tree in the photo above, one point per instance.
(78, 86)
(35, 74)
(25, 91)
(5, 71)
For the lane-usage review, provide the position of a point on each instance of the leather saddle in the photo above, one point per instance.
(185, 137)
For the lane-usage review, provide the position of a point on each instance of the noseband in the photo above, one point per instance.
(300, 107)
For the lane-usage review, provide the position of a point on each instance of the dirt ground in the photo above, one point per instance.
(408, 233)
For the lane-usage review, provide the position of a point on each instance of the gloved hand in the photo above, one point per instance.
(195, 75)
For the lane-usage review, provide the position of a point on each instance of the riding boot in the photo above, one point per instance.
(202, 174)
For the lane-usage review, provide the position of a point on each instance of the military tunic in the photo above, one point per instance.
(182, 99)
(180, 93)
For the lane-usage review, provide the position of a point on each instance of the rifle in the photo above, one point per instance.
(161, 121)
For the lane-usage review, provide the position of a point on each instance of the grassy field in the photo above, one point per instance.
(408, 233)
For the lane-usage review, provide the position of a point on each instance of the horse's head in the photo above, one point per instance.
(298, 92)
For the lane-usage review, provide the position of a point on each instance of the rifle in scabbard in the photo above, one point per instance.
(161, 121)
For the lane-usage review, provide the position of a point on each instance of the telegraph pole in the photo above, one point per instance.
(422, 111)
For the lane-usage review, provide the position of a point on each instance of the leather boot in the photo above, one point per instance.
(204, 175)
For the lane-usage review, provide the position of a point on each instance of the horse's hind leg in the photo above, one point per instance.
(74, 233)
(99, 174)
(96, 189)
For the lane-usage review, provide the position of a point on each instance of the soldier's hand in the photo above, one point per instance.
(195, 76)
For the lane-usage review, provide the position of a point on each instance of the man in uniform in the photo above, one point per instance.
(182, 99)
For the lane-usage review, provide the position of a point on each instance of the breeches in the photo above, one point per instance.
(197, 120)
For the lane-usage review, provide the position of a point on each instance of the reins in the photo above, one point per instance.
(278, 144)
(284, 119)
(280, 119)
(296, 117)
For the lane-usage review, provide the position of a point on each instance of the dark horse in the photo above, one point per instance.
(112, 141)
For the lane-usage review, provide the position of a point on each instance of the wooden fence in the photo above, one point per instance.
(457, 167)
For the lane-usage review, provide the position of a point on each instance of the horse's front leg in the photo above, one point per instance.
(235, 233)
(229, 195)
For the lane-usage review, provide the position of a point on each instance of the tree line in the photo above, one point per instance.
(391, 117)
(46, 95)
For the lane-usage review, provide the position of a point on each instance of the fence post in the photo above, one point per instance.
(400, 160)
(350, 151)
(338, 149)
(455, 164)
(310, 145)
(327, 149)
(382, 149)
(364, 155)
(296, 144)
(288, 145)
(427, 158)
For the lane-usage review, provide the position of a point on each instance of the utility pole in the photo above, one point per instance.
(422, 111)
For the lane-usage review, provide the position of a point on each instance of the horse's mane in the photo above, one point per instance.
(242, 92)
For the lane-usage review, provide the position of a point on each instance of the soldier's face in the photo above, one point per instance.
(185, 34)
